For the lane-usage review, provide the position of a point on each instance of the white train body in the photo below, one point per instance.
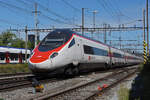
(12, 55)
(67, 50)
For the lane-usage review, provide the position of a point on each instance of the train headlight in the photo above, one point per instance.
(54, 55)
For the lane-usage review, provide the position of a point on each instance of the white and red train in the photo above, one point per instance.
(65, 50)
(12, 55)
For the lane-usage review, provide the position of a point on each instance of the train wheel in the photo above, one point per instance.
(75, 70)
(112, 65)
(106, 66)
(68, 72)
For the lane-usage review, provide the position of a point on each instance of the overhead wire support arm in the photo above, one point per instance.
(86, 29)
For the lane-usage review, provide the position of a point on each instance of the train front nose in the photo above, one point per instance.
(40, 67)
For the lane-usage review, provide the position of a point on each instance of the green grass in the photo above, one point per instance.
(13, 68)
(123, 93)
(140, 87)
(141, 66)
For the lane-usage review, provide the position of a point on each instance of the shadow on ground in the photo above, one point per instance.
(141, 85)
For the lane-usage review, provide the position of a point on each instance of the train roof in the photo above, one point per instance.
(70, 32)
(13, 50)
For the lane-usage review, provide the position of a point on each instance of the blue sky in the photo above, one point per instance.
(18, 13)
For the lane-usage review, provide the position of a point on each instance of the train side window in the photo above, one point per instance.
(94, 51)
(2, 56)
(100, 52)
(117, 55)
(23, 56)
(71, 43)
(13, 56)
(88, 49)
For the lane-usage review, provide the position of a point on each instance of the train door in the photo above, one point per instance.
(20, 57)
(7, 57)
(110, 56)
(80, 49)
(125, 58)
(74, 49)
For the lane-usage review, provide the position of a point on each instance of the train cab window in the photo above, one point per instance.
(71, 43)
(54, 40)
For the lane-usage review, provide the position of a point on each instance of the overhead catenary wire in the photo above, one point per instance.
(111, 9)
(10, 22)
(30, 12)
(50, 11)
(16, 7)
(56, 20)
(71, 6)
(25, 3)
(49, 18)
(122, 14)
(105, 8)
(54, 13)
(14, 11)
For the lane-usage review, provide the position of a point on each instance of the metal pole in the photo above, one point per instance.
(144, 43)
(94, 17)
(105, 33)
(36, 24)
(144, 24)
(82, 21)
(94, 12)
(120, 41)
(147, 28)
(26, 46)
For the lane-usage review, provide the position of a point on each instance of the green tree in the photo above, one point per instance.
(6, 38)
(18, 43)
(30, 45)
(10, 39)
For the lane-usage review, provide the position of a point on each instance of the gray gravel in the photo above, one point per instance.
(26, 93)
(113, 93)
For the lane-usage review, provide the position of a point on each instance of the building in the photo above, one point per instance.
(31, 38)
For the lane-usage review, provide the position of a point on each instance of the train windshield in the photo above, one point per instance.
(55, 39)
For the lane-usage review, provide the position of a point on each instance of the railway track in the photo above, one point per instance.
(88, 90)
(9, 83)
(16, 74)
(94, 95)
(13, 81)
